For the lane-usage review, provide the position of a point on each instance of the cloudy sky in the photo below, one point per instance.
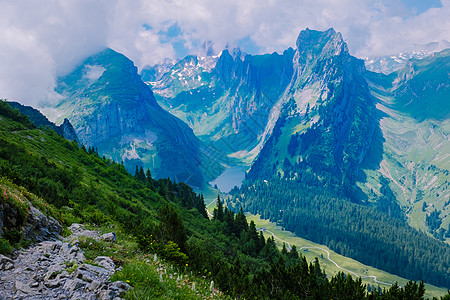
(41, 40)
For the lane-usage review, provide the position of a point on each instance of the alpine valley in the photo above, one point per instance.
(356, 160)
(331, 149)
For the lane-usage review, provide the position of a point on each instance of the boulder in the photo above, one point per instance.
(23, 287)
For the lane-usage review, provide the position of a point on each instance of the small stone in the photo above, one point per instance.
(105, 262)
(23, 287)
(94, 285)
(6, 263)
(53, 272)
(120, 286)
(73, 285)
(54, 283)
(109, 237)
(106, 295)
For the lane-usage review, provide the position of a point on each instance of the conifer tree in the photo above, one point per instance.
(218, 212)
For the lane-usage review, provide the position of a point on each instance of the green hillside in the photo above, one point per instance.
(155, 216)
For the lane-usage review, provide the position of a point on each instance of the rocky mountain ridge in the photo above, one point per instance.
(316, 107)
(328, 121)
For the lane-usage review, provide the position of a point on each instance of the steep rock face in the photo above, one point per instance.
(328, 120)
(112, 109)
(231, 103)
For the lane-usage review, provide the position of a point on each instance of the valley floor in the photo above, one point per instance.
(331, 262)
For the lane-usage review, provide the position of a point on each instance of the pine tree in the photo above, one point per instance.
(293, 253)
(141, 174)
(136, 172)
(240, 222)
(218, 212)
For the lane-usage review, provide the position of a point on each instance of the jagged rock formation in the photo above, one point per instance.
(68, 132)
(38, 119)
(229, 104)
(327, 116)
(58, 270)
(39, 227)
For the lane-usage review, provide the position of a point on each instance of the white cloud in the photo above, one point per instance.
(41, 40)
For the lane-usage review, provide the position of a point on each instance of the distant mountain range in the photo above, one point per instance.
(392, 63)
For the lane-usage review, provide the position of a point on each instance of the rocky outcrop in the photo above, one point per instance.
(67, 131)
(58, 270)
(37, 227)
(38, 119)
(329, 109)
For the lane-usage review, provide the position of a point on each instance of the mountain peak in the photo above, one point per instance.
(207, 49)
(315, 42)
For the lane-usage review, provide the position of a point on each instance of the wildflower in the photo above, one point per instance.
(127, 280)
(187, 265)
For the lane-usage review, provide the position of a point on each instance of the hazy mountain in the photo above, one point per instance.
(112, 109)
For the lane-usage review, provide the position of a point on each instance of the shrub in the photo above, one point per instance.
(5, 247)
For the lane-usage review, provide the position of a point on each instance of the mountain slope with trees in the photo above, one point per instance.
(162, 217)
